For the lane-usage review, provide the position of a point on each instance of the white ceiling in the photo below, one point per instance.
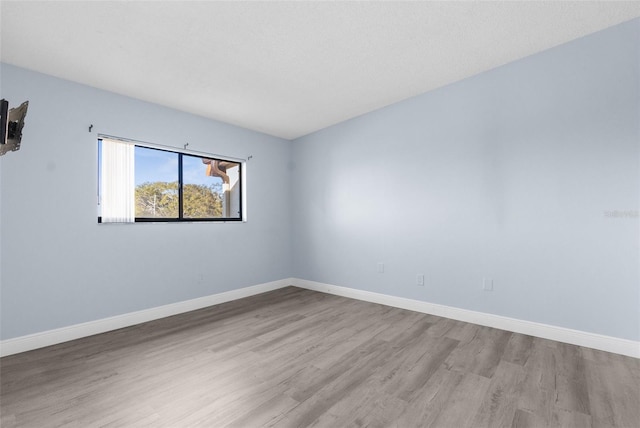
(286, 68)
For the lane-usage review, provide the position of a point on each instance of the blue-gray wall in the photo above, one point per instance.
(59, 267)
(508, 175)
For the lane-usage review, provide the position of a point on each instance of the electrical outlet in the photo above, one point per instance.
(380, 267)
(420, 279)
(487, 284)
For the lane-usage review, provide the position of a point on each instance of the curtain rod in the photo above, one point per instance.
(181, 150)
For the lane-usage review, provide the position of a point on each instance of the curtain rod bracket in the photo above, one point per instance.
(90, 127)
(185, 146)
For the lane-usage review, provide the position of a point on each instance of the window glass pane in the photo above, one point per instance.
(156, 183)
(211, 188)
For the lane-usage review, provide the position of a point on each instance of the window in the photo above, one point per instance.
(142, 184)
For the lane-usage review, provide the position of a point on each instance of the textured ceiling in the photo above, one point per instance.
(285, 68)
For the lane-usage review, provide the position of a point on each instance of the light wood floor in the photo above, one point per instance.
(295, 358)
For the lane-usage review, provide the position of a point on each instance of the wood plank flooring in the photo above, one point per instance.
(297, 358)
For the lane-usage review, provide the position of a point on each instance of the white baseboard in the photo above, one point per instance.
(575, 337)
(77, 331)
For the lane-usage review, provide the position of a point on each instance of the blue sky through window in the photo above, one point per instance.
(155, 165)
(194, 172)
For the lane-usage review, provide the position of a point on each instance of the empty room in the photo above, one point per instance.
(320, 213)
